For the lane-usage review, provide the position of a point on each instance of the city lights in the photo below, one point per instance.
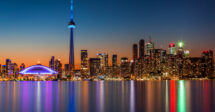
(180, 44)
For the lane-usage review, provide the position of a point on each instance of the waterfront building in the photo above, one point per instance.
(4, 71)
(207, 63)
(58, 68)
(124, 67)
(8, 67)
(66, 69)
(106, 61)
(114, 65)
(114, 61)
(186, 53)
(172, 49)
(84, 62)
(52, 62)
(22, 66)
(135, 52)
(135, 58)
(180, 58)
(149, 47)
(141, 49)
(95, 64)
(0, 69)
(14, 70)
(101, 57)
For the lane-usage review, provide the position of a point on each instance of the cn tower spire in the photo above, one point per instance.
(71, 54)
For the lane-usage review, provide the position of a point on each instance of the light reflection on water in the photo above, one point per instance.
(109, 96)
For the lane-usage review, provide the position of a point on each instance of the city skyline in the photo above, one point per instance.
(25, 48)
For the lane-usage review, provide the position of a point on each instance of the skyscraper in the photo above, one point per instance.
(135, 57)
(105, 62)
(114, 61)
(135, 52)
(15, 70)
(149, 47)
(172, 49)
(124, 67)
(207, 62)
(8, 67)
(22, 66)
(94, 66)
(58, 68)
(0, 69)
(52, 63)
(71, 54)
(101, 57)
(84, 62)
(141, 48)
(114, 65)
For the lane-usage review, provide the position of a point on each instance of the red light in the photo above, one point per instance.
(171, 45)
(205, 52)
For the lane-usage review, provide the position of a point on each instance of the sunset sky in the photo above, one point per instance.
(35, 30)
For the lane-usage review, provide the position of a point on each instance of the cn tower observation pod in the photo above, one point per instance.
(38, 70)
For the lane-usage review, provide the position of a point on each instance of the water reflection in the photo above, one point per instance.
(181, 97)
(107, 96)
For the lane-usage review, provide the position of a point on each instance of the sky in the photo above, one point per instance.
(35, 30)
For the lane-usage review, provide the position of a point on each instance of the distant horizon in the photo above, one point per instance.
(35, 30)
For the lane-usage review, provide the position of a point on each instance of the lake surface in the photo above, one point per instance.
(108, 96)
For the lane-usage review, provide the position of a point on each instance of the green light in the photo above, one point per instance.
(181, 97)
(180, 44)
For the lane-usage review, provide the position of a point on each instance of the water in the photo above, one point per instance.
(108, 96)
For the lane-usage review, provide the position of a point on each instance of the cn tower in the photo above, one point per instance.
(71, 26)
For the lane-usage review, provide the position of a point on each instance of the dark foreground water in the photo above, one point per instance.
(108, 96)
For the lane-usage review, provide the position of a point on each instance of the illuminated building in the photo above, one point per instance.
(172, 49)
(124, 67)
(52, 62)
(180, 58)
(0, 69)
(58, 68)
(180, 51)
(149, 47)
(4, 71)
(106, 65)
(22, 66)
(186, 53)
(171, 64)
(71, 54)
(106, 61)
(135, 52)
(84, 62)
(155, 62)
(8, 67)
(163, 56)
(36, 71)
(101, 57)
(163, 61)
(192, 67)
(66, 69)
(207, 63)
(95, 64)
(141, 48)
(15, 70)
(114, 61)
(135, 57)
(141, 57)
(114, 65)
